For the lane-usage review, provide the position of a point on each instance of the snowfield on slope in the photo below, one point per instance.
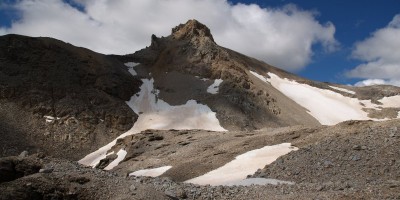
(154, 172)
(234, 172)
(393, 101)
(328, 107)
(154, 113)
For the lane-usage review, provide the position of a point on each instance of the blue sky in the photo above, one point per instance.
(354, 21)
(330, 30)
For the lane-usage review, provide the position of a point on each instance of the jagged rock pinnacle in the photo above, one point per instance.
(193, 38)
(190, 29)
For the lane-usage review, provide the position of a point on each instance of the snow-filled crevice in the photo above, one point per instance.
(154, 113)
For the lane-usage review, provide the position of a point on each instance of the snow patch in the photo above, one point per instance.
(213, 88)
(259, 76)
(343, 90)
(203, 79)
(393, 101)
(130, 66)
(259, 181)
(154, 113)
(243, 165)
(327, 106)
(121, 155)
(151, 172)
(50, 119)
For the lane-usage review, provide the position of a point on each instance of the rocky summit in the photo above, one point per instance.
(185, 118)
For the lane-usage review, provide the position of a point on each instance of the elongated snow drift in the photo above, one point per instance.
(327, 106)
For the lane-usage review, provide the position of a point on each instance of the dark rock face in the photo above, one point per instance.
(12, 168)
(192, 29)
(83, 91)
(376, 92)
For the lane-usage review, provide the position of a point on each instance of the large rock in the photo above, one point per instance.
(12, 168)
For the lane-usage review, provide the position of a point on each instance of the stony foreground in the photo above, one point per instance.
(353, 160)
(60, 179)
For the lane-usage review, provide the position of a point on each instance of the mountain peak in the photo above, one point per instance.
(190, 29)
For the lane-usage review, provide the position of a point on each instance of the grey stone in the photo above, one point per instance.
(23, 154)
(170, 194)
(357, 147)
(181, 193)
(46, 170)
(328, 163)
(355, 158)
(132, 188)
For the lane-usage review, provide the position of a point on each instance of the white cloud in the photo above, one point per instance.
(381, 54)
(280, 36)
(369, 82)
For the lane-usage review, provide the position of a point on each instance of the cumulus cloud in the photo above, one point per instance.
(279, 36)
(380, 54)
(369, 82)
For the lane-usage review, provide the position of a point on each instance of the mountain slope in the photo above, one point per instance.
(189, 82)
(60, 99)
(186, 62)
(242, 102)
(186, 109)
(68, 101)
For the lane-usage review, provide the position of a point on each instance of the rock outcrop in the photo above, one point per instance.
(65, 100)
